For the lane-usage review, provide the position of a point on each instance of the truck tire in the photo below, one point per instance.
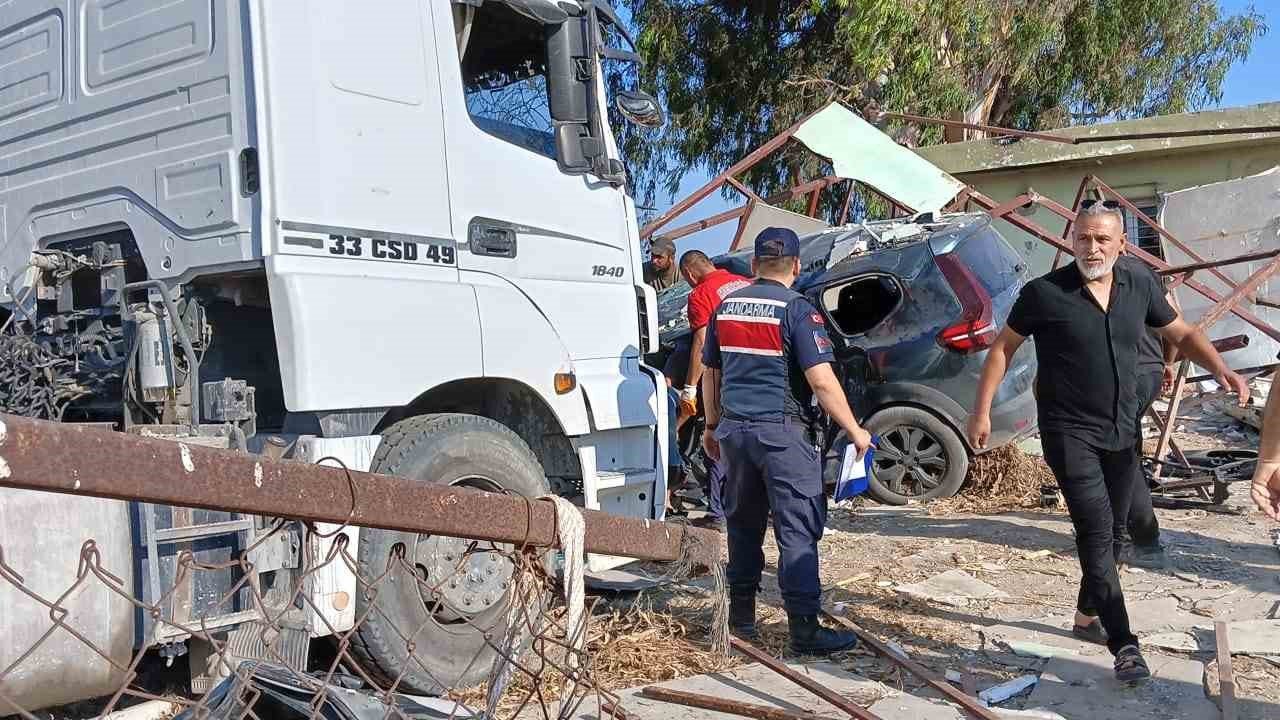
(450, 650)
(920, 457)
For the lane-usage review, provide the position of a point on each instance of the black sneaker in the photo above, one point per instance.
(709, 523)
(1149, 557)
(1093, 632)
(1131, 668)
(810, 638)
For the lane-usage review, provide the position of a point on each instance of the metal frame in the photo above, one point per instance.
(89, 461)
(970, 198)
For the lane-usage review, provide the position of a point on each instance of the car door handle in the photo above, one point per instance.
(493, 241)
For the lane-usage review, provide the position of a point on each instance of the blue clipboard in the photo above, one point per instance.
(854, 474)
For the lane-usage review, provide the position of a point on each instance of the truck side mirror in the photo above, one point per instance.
(570, 74)
(639, 108)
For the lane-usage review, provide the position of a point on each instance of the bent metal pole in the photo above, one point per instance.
(92, 461)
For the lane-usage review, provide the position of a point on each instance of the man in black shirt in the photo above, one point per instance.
(1087, 319)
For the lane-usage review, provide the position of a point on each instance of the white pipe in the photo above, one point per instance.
(149, 710)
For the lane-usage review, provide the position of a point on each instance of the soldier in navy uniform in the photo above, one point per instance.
(767, 356)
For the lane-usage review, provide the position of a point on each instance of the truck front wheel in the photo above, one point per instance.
(427, 618)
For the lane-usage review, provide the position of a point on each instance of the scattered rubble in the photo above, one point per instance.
(999, 693)
(954, 587)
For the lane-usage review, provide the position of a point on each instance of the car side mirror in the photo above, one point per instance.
(639, 108)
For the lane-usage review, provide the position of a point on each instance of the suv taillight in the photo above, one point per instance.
(974, 331)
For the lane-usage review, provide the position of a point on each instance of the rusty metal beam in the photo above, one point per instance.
(1171, 418)
(55, 457)
(715, 183)
(1066, 229)
(1254, 130)
(1258, 370)
(724, 705)
(705, 223)
(1247, 257)
(1156, 263)
(1107, 189)
(1005, 208)
(968, 703)
(976, 126)
(1231, 342)
(1083, 140)
(804, 681)
(737, 185)
(1241, 291)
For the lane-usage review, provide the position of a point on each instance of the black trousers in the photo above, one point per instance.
(1143, 528)
(1098, 486)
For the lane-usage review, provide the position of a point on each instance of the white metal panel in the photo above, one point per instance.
(521, 345)
(620, 393)
(43, 534)
(333, 586)
(358, 333)
(354, 116)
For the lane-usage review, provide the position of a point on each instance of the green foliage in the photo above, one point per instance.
(733, 73)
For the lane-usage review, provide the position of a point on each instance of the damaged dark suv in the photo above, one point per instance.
(912, 306)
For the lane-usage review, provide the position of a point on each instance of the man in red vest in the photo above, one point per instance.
(710, 285)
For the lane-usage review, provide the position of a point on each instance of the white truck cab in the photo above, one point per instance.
(397, 234)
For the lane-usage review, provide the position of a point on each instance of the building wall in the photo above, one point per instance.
(1136, 176)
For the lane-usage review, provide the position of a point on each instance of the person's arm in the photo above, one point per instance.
(694, 377)
(710, 357)
(1265, 487)
(1191, 342)
(993, 370)
(830, 395)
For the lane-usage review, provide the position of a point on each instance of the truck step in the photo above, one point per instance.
(611, 479)
(282, 644)
(193, 532)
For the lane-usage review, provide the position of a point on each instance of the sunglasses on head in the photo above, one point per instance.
(1108, 204)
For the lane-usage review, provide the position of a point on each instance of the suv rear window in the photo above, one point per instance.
(996, 265)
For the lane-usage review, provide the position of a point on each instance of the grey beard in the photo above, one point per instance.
(1091, 274)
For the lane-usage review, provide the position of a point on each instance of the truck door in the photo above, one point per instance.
(363, 264)
(560, 239)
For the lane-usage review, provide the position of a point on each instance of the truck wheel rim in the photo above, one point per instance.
(910, 461)
(461, 578)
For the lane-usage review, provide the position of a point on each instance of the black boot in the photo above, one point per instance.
(742, 615)
(810, 638)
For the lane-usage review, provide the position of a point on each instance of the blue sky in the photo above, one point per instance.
(1249, 82)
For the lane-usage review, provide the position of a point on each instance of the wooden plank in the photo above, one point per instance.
(1226, 678)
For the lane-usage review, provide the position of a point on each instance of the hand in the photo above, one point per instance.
(1170, 375)
(685, 413)
(710, 444)
(1236, 384)
(979, 430)
(1265, 488)
(689, 394)
(861, 439)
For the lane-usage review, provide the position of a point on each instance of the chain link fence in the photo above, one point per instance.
(482, 628)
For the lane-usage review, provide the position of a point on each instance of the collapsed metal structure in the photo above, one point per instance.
(1237, 301)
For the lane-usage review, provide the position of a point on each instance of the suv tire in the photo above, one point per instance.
(920, 458)
(450, 649)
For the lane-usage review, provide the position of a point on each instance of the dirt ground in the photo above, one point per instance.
(1224, 566)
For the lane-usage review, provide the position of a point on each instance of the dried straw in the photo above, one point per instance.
(1001, 480)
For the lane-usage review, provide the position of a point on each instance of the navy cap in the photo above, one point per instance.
(773, 242)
